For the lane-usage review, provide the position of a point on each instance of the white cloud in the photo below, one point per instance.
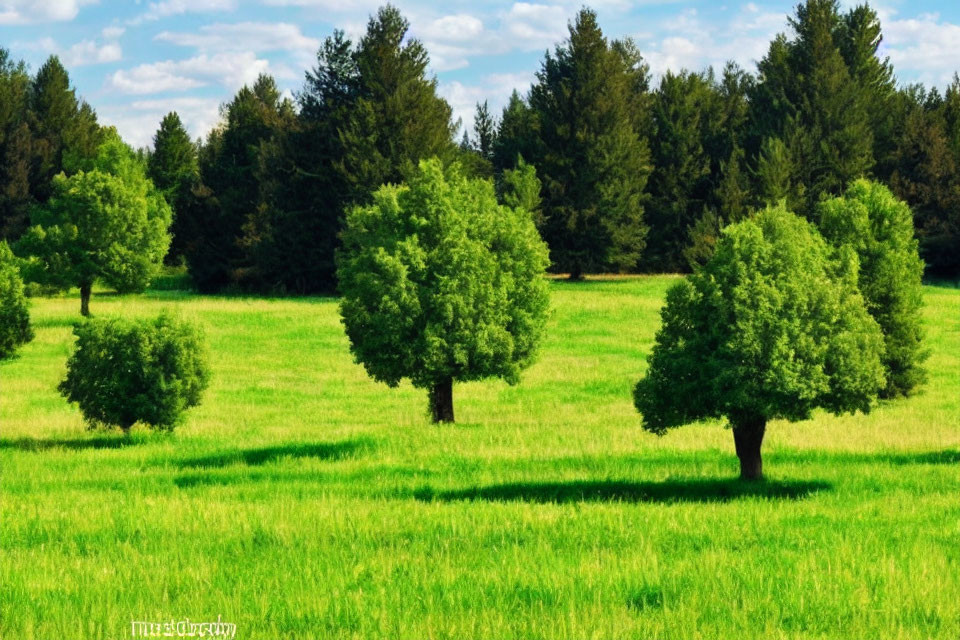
(157, 10)
(926, 46)
(535, 26)
(138, 121)
(89, 52)
(113, 32)
(231, 70)
(687, 41)
(494, 88)
(32, 11)
(248, 36)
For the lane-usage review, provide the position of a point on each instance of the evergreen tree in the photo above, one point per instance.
(397, 117)
(517, 134)
(680, 184)
(594, 163)
(16, 147)
(227, 232)
(173, 168)
(65, 131)
(485, 131)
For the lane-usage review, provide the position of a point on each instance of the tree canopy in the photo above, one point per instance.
(772, 327)
(442, 284)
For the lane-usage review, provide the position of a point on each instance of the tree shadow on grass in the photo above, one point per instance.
(946, 456)
(670, 491)
(76, 444)
(263, 455)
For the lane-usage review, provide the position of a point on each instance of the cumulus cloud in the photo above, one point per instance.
(688, 41)
(247, 36)
(926, 46)
(32, 11)
(157, 10)
(535, 26)
(231, 70)
(138, 121)
(494, 88)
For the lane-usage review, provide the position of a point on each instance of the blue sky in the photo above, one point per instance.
(136, 60)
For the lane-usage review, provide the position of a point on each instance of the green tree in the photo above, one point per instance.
(104, 222)
(680, 183)
(16, 147)
(125, 371)
(397, 118)
(879, 228)
(773, 326)
(15, 329)
(442, 284)
(520, 189)
(517, 134)
(594, 163)
(227, 228)
(485, 131)
(64, 128)
(173, 168)
(926, 174)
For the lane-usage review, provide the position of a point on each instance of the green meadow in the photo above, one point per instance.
(304, 500)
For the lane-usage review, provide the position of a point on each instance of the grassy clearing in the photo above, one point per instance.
(302, 500)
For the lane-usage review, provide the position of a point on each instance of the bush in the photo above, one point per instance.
(128, 371)
(14, 318)
(773, 326)
(879, 228)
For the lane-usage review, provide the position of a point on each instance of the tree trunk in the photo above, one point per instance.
(576, 273)
(748, 437)
(85, 290)
(441, 401)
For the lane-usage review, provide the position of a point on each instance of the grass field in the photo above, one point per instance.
(303, 500)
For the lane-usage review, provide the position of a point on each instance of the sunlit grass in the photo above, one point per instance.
(303, 500)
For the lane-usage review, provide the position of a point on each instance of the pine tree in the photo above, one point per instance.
(397, 117)
(173, 168)
(64, 129)
(484, 131)
(594, 164)
(16, 148)
(517, 134)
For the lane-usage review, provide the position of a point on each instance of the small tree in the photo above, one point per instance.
(442, 284)
(128, 371)
(107, 222)
(14, 318)
(771, 327)
(520, 188)
(879, 228)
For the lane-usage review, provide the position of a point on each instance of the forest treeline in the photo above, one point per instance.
(622, 173)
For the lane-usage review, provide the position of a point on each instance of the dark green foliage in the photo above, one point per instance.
(879, 228)
(819, 103)
(15, 327)
(441, 283)
(485, 131)
(124, 372)
(520, 189)
(368, 114)
(224, 228)
(517, 134)
(396, 118)
(106, 221)
(16, 147)
(926, 174)
(173, 168)
(680, 183)
(591, 158)
(773, 326)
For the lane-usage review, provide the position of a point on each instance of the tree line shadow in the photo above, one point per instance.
(694, 490)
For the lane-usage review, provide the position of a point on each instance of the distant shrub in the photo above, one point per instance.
(128, 371)
(14, 318)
